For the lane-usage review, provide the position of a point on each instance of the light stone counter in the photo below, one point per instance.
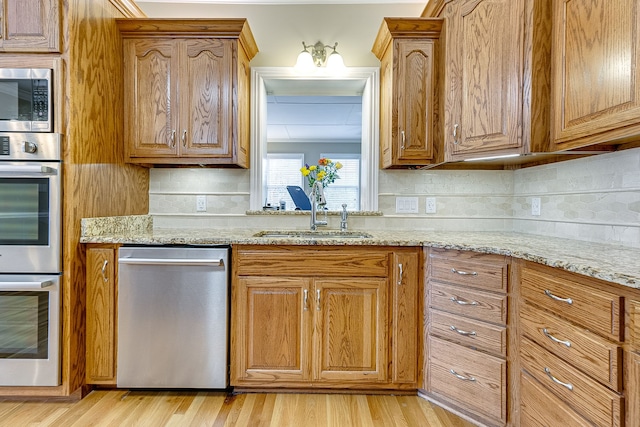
(607, 262)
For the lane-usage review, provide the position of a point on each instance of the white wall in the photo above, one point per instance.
(279, 30)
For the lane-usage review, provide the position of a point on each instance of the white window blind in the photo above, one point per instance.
(283, 169)
(346, 189)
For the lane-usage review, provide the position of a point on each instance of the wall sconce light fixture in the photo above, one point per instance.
(308, 61)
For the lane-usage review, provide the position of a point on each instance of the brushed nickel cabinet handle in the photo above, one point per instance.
(464, 273)
(401, 272)
(554, 339)
(317, 299)
(460, 301)
(557, 381)
(461, 332)
(104, 271)
(184, 137)
(403, 139)
(461, 377)
(455, 134)
(172, 138)
(552, 296)
(305, 300)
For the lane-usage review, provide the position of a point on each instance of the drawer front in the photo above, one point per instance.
(474, 380)
(471, 333)
(593, 401)
(541, 408)
(300, 261)
(469, 303)
(470, 269)
(597, 311)
(590, 353)
(634, 324)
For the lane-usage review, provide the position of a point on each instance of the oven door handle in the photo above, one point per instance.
(28, 169)
(25, 286)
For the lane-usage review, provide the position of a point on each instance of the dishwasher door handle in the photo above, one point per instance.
(181, 262)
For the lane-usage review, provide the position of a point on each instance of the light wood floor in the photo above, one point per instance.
(163, 408)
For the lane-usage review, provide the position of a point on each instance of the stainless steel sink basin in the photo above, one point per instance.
(301, 234)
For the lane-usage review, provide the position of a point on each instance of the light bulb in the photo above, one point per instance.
(304, 64)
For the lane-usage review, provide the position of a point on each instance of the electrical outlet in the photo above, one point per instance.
(406, 205)
(431, 205)
(535, 206)
(201, 203)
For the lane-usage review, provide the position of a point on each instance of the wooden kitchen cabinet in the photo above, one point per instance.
(466, 364)
(101, 292)
(483, 78)
(596, 83)
(570, 345)
(321, 317)
(30, 26)
(407, 50)
(187, 91)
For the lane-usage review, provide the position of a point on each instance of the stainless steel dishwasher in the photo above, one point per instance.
(173, 316)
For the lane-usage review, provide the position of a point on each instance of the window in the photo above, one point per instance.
(347, 188)
(283, 170)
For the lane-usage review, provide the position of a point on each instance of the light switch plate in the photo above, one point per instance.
(201, 203)
(535, 206)
(406, 205)
(431, 205)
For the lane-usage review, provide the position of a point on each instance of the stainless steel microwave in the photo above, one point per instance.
(25, 100)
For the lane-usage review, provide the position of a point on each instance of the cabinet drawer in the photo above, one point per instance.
(469, 269)
(541, 408)
(298, 261)
(596, 310)
(468, 332)
(594, 401)
(469, 303)
(475, 380)
(590, 353)
(634, 324)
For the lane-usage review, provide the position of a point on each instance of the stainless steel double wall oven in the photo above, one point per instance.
(30, 258)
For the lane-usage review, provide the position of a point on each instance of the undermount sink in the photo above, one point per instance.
(301, 234)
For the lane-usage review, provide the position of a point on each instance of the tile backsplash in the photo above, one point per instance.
(594, 199)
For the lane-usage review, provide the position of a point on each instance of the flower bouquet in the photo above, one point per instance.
(326, 171)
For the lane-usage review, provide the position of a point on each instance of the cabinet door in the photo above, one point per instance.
(483, 99)
(413, 136)
(350, 337)
(101, 316)
(595, 67)
(150, 69)
(405, 317)
(30, 26)
(272, 331)
(206, 93)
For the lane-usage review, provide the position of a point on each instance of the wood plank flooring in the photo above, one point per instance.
(218, 409)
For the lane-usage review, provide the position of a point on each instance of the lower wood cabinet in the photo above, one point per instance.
(571, 349)
(466, 348)
(101, 289)
(331, 317)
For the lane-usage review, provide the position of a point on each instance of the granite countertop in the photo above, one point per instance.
(612, 263)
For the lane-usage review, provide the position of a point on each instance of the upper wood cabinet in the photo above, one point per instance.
(30, 26)
(483, 78)
(596, 83)
(187, 91)
(407, 50)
